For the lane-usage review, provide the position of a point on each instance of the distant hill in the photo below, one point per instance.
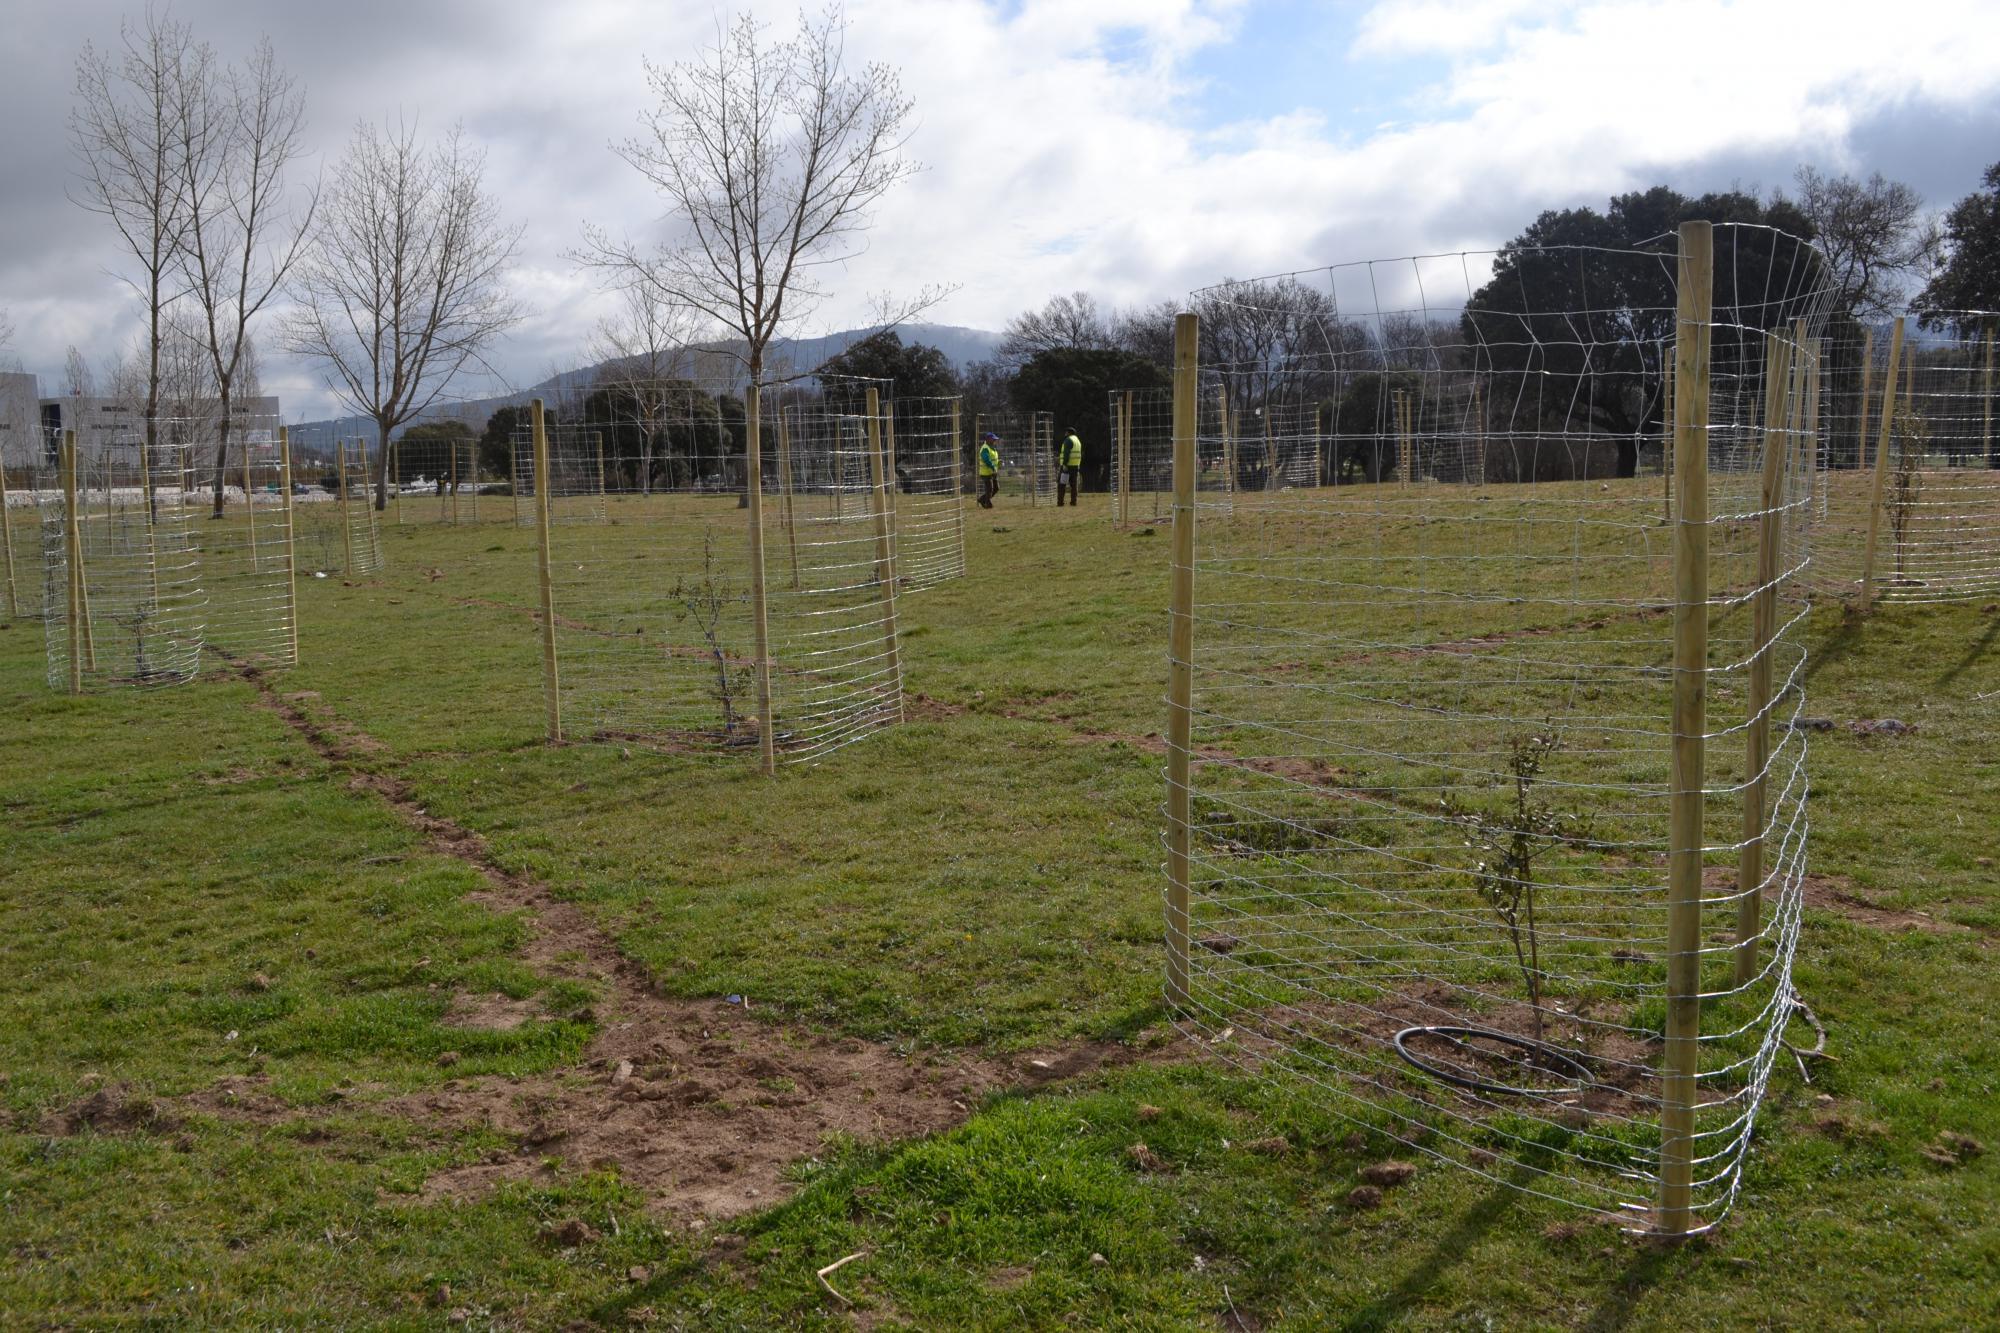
(716, 369)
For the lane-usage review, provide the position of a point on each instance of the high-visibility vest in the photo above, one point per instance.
(1073, 453)
(989, 460)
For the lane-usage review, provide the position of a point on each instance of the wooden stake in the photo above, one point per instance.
(885, 536)
(1125, 457)
(1667, 444)
(1479, 433)
(7, 543)
(760, 612)
(1681, 1063)
(1780, 411)
(785, 489)
(146, 497)
(1867, 379)
(1228, 444)
(957, 487)
(1986, 402)
(1881, 463)
(454, 485)
(1180, 657)
(551, 677)
(249, 510)
(73, 558)
(346, 509)
(291, 548)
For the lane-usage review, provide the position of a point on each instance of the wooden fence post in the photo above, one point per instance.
(883, 474)
(957, 486)
(73, 558)
(291, 547)
(1180, 659)
(7, 543)
(760, 602)
(785, 489)
(551, 681)
(346, 506)
(1681, 1063)
(1780, 411)
(1986, 403)
(1881, 463)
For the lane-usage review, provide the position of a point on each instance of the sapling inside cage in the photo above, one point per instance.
(1909, 505)
(649, 617)
(122, 595)
(1472, 750)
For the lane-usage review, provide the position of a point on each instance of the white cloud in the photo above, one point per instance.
(1063, 142)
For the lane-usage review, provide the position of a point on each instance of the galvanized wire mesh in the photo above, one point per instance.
(654, 601)
(1431, 767)
(930, 526)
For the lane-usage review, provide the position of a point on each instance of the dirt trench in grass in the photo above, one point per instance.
(699, 1104)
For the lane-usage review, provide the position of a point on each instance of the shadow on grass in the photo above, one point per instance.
(1621, 1299)
(1973, 654)
(1844, 640)
(1452, 1248)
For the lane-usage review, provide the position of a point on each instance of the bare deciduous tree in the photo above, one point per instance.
(771, 156)
(238, 133)
(1072, 321)
(1875, 234)
(402, 285)
(124, 130)
(644, 348)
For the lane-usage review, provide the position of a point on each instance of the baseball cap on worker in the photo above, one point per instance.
(991, 436)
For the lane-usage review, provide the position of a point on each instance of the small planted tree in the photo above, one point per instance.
(1913, 439)
(1507, 844)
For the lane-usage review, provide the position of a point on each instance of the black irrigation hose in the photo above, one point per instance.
(1557, 1059)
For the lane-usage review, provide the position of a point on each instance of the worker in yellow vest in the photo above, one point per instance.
(1070, 467)
(989, 469)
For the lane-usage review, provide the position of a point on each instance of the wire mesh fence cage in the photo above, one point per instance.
(357, 522)
(122, 596)
(20, 530)
(650, 616)
(1467, 759)
(1908, 500)
(336, 528)
(1026, 443)
(930, 525)
(247, 551)
(577, 479)
(434, 477)
(1141, 474)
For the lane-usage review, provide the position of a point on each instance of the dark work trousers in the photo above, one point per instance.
(988, 488)
(1071, 477)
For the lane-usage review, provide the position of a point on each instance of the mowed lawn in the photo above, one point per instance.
(200, 908)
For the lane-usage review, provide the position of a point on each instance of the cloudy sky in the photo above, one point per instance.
(1131, 148)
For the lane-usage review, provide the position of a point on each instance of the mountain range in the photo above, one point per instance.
(717, 367)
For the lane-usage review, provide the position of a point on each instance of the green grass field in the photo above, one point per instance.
(338, 998)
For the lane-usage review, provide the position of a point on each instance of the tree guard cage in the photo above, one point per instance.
(1919, 519)
(579, 472)
(1142, 448)
(248, 558)
(1466, 764)
(649, 630)
(122, 595)
(434, 478)
(930, 538)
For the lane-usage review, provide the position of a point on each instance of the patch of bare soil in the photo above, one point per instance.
(491, 1013)
(112, 1109)
(700, 1104)
(1842, 898)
